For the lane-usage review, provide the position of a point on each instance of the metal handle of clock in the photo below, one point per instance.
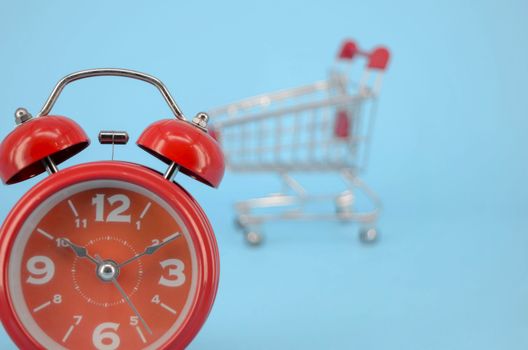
(46, 109)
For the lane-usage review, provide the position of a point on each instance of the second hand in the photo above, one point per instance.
(125, 296)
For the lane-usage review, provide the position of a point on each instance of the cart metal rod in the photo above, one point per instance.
(290, 167)
(283, 200)
(366, 217)
(295, 109)
(265, 99)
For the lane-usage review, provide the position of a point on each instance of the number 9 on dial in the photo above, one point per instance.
(107, 255)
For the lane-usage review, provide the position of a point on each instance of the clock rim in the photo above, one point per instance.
(173, 194)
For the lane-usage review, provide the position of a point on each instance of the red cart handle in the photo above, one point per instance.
(377, 59)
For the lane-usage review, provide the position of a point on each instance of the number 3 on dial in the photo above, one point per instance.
(175, 273)
(45, 281)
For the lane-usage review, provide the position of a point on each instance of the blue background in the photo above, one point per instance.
(448, 157)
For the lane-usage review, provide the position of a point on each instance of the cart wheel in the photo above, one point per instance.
(253, 238)
(368, 235)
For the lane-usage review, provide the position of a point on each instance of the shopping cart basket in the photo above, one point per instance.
(322, 127)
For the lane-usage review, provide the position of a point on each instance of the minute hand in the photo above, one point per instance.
(151, 249)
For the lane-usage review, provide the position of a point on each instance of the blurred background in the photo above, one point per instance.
(448, 157)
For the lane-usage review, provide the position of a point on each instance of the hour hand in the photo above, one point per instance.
(81, 252)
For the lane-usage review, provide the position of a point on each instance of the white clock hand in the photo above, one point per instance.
(151, 249)
(100, 262)
(81, 252)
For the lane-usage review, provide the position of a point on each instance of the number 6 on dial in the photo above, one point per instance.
(105, 337)
(96, 241)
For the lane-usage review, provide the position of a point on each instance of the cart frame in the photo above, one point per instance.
(264, 134)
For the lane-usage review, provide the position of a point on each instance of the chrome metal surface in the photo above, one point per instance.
(46, 109)
(296, 131)
(113, 137)
(107, 271)
(22, 115)
(50, 165)
(171, 171)
(200, 120)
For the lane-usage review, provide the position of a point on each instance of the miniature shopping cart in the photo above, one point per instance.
(322, 127)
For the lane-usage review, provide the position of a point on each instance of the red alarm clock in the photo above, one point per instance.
(107, 255)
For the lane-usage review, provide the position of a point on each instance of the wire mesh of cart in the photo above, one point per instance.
(321, 127)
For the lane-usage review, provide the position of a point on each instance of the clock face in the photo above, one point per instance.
(103, 264)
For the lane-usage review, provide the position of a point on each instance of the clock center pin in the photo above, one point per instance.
(107, 271)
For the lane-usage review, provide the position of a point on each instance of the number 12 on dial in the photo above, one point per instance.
(109, 254)
(102, 282)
